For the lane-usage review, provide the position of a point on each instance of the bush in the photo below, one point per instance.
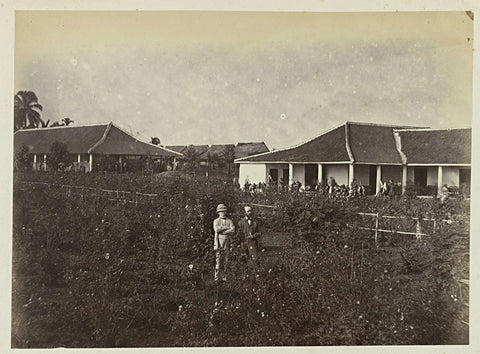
(59, 157)
(100, 273)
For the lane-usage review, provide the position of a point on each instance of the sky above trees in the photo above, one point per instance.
(212, 77)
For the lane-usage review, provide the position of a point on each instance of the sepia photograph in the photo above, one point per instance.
(241, 178)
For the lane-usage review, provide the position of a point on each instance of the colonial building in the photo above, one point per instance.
(88, 145)
(368, 154)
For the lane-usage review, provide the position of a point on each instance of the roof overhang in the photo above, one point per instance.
(440, 164)
(294, 162)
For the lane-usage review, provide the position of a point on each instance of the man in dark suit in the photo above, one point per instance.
(248, 235)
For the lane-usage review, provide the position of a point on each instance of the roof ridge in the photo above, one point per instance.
(430, 129)
(347, 143)
(386, 125)
(61, 127)
(102, 139)
(144, 142)
(251, 142)
(398, 145)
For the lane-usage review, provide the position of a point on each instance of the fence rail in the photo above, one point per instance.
(134, 197)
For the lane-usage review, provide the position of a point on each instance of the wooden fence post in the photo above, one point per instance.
(418, 230)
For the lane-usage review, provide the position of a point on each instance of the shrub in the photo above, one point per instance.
(59, 157)
(115, 274)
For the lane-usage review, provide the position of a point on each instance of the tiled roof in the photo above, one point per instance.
(249, 149)
(371, 143)
(447, 146)
(376, 144)
(97, 139)
(118, 142)
(177, 148)
(328, 147)
(79, 139)
(219, 149)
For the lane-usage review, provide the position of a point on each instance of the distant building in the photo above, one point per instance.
(368, 154)
(97, 146)
(204, 151)
(249, 149)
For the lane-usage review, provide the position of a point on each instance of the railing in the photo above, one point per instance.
(136, 198)
(418, 232)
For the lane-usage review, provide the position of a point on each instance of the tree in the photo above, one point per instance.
(211, 159)
(26, 110)
(22, 161)
(45, 124)
(67, 121)
(228, 155)
(59, 157)
(191, 156)
(64, 122)
(155, 141)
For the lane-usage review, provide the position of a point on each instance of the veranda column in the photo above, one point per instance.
(404, 179)
(120, 163)
(44, 162)
(379, 178)
(290, 174)
(90, 162)
(79, 158)
(174, 164)
(34, 162)
(320, 173)
(440, 179)
(350, 174)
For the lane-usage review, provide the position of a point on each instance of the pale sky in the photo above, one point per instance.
(227, 77)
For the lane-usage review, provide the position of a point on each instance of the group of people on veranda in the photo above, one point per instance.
(247, 234)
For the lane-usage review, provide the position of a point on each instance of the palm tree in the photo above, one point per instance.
(67, 121)
(211, 159)
(191, 156)
(26, 110)
(228, 155)
(45, 124)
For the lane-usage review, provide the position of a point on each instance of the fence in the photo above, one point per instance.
(418, 229)
(136, 198)
(112, 195)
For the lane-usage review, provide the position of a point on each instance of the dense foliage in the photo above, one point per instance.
(59, 157)
(26, 110)
(92, 272)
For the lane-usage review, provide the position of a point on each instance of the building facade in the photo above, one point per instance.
(368, 154)
(89, 147)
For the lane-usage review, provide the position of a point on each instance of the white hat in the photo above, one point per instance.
(221, 207)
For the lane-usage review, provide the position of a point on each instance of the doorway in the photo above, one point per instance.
(285, 177)
(420, 176)
(311, 175)
(464, 177)
(273, 176)
(372, 179)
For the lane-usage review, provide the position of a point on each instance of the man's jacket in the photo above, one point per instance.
(247, 231)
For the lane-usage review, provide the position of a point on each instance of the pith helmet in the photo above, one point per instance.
(221, 207)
